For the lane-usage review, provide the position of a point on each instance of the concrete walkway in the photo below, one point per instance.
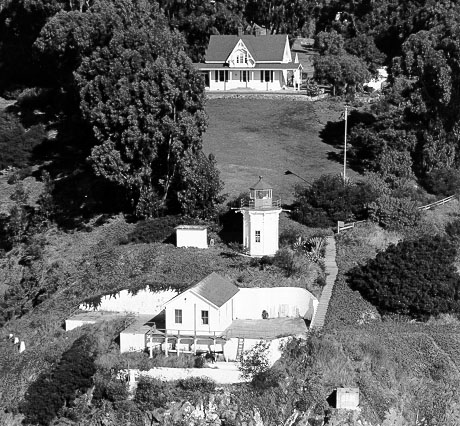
(331, 275)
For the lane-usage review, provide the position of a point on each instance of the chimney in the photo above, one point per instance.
(240, 30)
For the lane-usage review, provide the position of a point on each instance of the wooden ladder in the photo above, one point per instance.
(239, 350)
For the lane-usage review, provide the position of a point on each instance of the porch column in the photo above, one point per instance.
(178, 342)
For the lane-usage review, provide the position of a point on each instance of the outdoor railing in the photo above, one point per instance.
(261, 204)
(437, 203)
(342, 226)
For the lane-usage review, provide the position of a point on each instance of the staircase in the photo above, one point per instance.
(331, 274)
(240, 348)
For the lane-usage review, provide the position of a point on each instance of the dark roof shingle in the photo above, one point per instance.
(269, 48)
(216, 289)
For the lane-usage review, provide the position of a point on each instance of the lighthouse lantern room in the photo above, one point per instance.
(261, 220)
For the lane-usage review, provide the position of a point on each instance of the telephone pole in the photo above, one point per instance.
(345, 146)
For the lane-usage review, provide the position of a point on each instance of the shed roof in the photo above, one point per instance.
(216, 289)
(269, 48)
(192, 227)
(273, 328)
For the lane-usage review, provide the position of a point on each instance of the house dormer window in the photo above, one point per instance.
(241, 57)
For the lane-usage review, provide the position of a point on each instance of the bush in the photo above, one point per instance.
(199, 362)
(329, 200)
(198, 384)
(394, 213)
(288, 237)
(17, 144)
(444, 182)
(50, 392)
(415, 278)
(284, 259)
(255, 361)
(453, 229)
(348, 308)
(152, 393)
(116, 390)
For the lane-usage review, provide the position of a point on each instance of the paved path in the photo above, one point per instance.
(331, 275)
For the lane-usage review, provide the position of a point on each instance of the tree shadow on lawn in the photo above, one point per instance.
(333, 134)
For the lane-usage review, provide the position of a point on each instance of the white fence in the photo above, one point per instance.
(437, 203)
(342, 226)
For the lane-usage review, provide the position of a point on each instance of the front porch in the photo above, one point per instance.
(269, 78)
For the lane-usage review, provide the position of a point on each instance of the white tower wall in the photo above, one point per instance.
(261, 231)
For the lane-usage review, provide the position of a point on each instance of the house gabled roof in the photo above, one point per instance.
(267, 48)
(214, 288)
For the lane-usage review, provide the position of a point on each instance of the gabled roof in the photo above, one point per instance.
(267, 48)
(215, 289)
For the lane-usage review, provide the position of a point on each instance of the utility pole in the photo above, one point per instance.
(345, 147)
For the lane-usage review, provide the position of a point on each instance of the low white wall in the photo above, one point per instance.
(143, 302)
(277, 301)
(71, 324)
(221, 374)
(190, 237)
(132, 342)
(273, 353)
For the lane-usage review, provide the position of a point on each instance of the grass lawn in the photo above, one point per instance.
(252, 137)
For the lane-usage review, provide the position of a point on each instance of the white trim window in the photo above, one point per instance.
(205, 317)
(241, 57)
(257, 236)
(178, 316)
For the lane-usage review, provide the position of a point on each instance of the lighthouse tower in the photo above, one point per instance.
(261, 220)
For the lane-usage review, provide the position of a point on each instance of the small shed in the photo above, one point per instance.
(347, 398)
(192, 236)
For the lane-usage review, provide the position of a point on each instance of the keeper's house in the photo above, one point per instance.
(256, 62)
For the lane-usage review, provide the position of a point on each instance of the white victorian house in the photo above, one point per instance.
(256, 62)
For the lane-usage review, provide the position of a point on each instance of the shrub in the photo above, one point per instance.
(394, 213)
(199, 384)
(284, 259)
(415, 278)
(152, 393)
(329, 200)
(199, 362)
(255, 361)
(154, 230)
(444, 182)
(50, 392)
(348, 307)
(116, 390)
(17, 144)
(288, 237)
(453, 229)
